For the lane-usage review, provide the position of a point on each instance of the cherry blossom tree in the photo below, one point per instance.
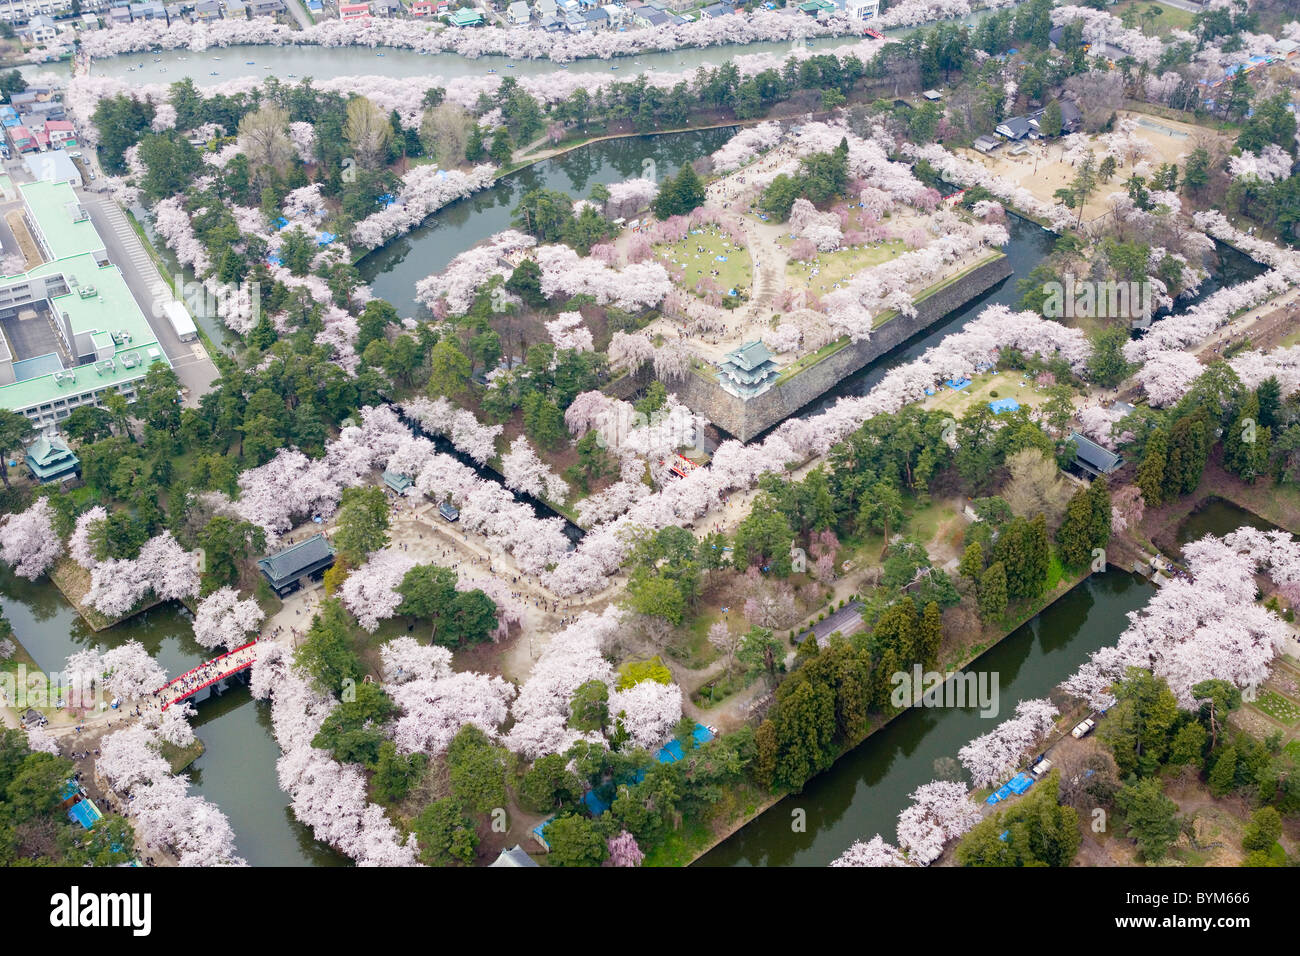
(370, 591)
(647, 712)
(940, 811)
(623, 850)
(223, 620)
(990, 756)
(524, 471)
(28, 542)
(79, 546)
(873, 852)
(567, 332)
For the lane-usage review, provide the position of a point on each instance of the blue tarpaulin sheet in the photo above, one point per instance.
(85, 813)
(957, 384)
(1020, 783)
(594, 804)
(325, 238)
(1004, 405)
(671, 753)
(280, 223)
(1003, 792)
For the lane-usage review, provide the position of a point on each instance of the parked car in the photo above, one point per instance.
(1082, 730)
(1042, 768)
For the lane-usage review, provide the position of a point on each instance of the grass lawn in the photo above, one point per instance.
(1280, 708)
(1006, 384)
(833, 267)
(1170, 18)
(736, 273)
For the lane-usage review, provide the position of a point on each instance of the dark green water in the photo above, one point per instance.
(237, 772)
(394, 270)
(1218, 516)
(863, 793)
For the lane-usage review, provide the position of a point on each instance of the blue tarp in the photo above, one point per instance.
(387, 199)
(325, 238)
(1004, 405)
(719, 258)
(594, 804)
(1020, 783)
(991, 799)
(85, 813)
(540, 830)
(70, 790)
(1003, 792)
(275, 260)
(670, 754)
(280, 223)
(929, 390)
(957, 384)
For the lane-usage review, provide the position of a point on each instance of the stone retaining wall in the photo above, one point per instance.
(745, 419)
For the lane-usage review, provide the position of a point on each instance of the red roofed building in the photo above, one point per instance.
(23, 139)
(354, 11)
(61, 133)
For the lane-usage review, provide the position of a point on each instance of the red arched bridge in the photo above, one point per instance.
(207, 675)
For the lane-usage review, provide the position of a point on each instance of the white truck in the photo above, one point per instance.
(1083, 729)
(1042, 768)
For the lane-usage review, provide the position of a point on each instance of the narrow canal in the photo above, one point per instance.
(863, 793)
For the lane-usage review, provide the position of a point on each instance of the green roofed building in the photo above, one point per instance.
(70, 330)
(466, 17)
(399, 483)
(50, 459)
(748, 370)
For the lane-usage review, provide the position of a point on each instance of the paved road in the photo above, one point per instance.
(299, 13)
(193, 366)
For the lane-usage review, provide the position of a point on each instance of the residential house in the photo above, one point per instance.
(118, 15)
(544, 8)
(266, 8)
(518, 13)
(386, 8)
(596, 19)
(152, 10)
(716, 10)
(39, 29)
(354, 11)
(207, 10)
(862, 9)
(62, 134)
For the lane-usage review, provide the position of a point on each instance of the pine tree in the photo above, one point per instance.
(1099, 521)
(972, 562)
(1072, 537)
(1189, 448)
(931, 635)
(1223, 778)
(1151, 473)
(993, 592)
